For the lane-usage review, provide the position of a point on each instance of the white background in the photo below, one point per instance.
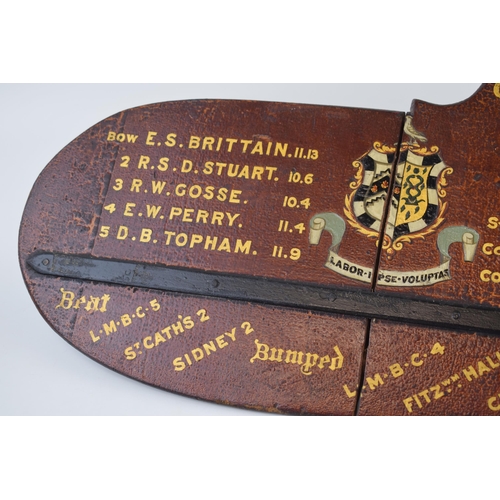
(41, 374)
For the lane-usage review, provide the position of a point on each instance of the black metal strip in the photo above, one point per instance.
(267, 291)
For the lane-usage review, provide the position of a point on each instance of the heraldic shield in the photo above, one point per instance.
(365, 206)
(416, 207)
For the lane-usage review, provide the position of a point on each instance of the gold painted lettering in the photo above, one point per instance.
(349, 393)
(125, 319)
(174, 212)
(158, 186)
(79, 302)
(396, 370)
(147, 342)
(146, 235)
(208, 167)
(230, 143)
(294, 357)
(208, 143)
(217, 217)
(408, 404)
(233, 198)
(163, 164)
(152, 210)
(221, 342)
(111, 328)
(187, 166)
(136, 184)
(262, 352)
(487, 248)
(491, 405)
(425, 395)
(244, 173)
(188, 323)
(224, 246)
(128, 209)
(324, 360)
(482, 368)
(170, 142)
(95, 338)
(493, 222)
(276, 355)
(492, 363)
(104, 301)
(280, 149)
(415, 398)
(66, 299)
(195, 240)
(93, 304)
(209, 347)
(181, 239)
(159, 338)
(338, 361)
(177, 328)
(169, 236)
(469, 373)
(309, 363)
(243, 247)
(270, 172)
(143, 162)
(122, 233)
(197, 354)
(438, 393)
(202, 215)
(187, 215)
(221, 166)
(130, 353)
(194, 142)
(150, 138)
(166, 331)
(246, 143)
(257, 173)
(231, 334)
(231, 218)
(414, 361)
(179, 365)
(374, 382)
(258, 148)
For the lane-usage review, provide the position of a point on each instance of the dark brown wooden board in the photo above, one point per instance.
(269, 191)
(465, 137)
(464, 378)
(417, 370)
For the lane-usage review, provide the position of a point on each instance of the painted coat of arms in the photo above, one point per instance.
(415, 208)
(416, 205)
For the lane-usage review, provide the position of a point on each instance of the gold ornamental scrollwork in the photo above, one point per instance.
(419, 150)
(358, 175)
(383, 148)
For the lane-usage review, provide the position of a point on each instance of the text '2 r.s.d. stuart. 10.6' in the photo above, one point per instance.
(288, 258)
